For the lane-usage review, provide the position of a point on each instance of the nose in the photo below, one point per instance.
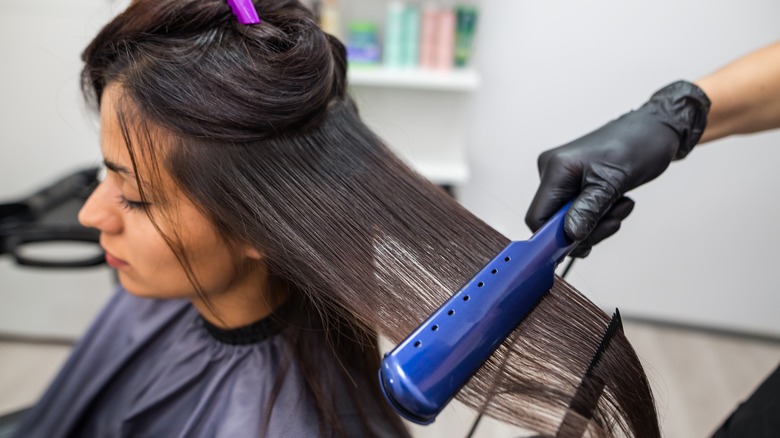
(101, 212)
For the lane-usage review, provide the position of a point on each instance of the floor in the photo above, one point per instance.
(698, 378)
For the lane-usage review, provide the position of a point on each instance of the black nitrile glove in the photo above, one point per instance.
(599, 168)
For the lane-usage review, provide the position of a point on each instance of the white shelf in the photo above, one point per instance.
(453, 80)
(443, 174)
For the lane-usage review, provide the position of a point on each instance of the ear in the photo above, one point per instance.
(252, 253)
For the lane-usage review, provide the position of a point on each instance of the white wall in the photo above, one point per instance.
(700, 246)
(45, 133)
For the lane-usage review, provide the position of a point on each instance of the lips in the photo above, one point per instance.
(114, 262)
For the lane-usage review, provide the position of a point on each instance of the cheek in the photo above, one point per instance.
(154, 269)
(210, 258)
(149, 248)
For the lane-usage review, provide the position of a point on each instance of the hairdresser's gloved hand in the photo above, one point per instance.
(599, 168)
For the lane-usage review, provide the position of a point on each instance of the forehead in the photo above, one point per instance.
(132, 143)
(112, 141)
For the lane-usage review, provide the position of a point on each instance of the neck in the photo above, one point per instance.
(253, 297)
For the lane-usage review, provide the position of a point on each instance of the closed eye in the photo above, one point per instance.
(131, 205)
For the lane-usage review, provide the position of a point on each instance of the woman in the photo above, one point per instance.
(263, 236)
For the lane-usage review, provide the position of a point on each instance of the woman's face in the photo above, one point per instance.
(146, 265)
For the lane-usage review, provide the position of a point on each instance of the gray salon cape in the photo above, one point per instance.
(153, 368)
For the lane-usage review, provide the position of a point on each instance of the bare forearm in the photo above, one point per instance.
(745, 95)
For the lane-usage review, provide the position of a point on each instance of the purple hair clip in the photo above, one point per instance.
(244, 10)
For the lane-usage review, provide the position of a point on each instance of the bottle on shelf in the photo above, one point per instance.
(362, 44)
(440, 36)
(330, 19)
(426, 44)
(444, 45)
(466, 19)
(410, 38)
(393, 41)
(428, 35)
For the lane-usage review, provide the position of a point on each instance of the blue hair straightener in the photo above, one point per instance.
(425, 371)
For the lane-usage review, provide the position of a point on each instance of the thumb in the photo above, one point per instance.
(560, 183)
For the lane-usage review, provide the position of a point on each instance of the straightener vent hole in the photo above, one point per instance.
(494, 271)
(466, 298)
(435, 327)
(417, 344)
(480, 284)
(507, 259)
(451, 312)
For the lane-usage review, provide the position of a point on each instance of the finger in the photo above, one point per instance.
(610, 223)
(596, 199)
(561, 180)
(622, 208)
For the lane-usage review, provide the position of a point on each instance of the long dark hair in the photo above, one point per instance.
(260, 134)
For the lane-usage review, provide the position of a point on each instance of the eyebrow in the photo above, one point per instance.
(118, 168)
(122, 170)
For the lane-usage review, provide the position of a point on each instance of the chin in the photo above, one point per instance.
(139, 290)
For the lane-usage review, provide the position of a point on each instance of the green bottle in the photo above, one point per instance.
(464, 33)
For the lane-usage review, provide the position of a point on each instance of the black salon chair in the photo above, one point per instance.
(10, 422)
(35, 230)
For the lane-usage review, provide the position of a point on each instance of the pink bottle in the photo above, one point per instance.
(429, 31)
(445, 40)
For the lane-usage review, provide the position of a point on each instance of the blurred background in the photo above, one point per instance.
(692, 267)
